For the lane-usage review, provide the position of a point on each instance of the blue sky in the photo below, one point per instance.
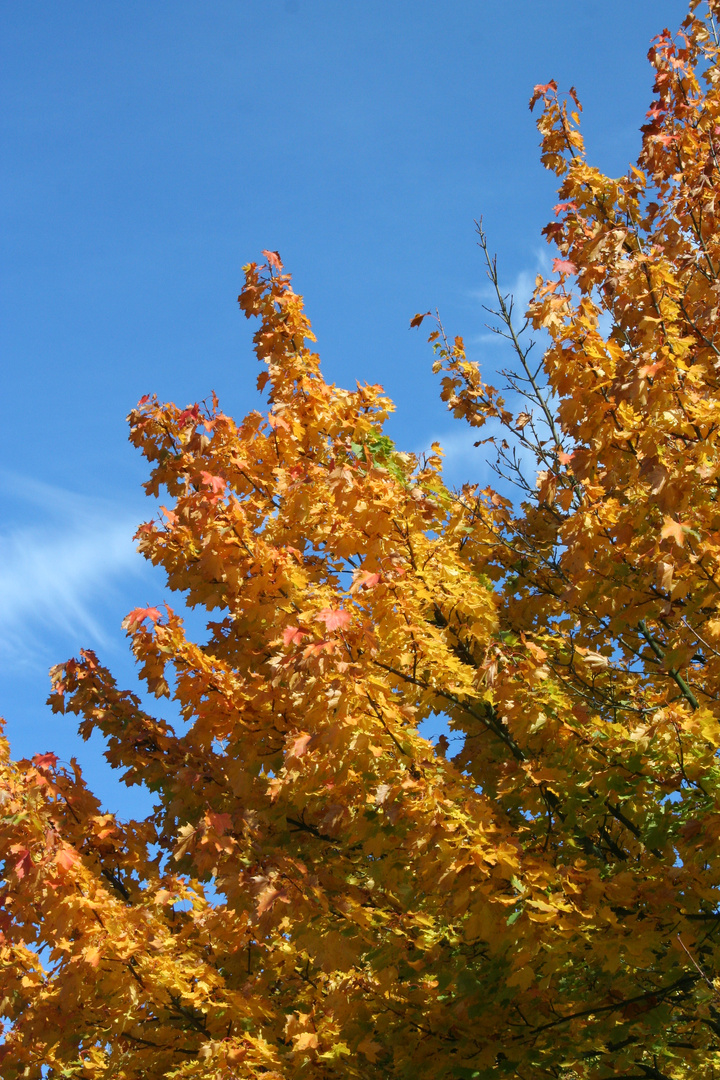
(151, 149)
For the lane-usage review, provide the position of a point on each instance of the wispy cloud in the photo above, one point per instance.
(463, 462)
(520, 289)
(62, 560)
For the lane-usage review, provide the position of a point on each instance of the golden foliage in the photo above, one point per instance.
(320, 890)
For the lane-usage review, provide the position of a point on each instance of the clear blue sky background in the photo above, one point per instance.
(151, 149)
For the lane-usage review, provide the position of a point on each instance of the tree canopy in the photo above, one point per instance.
(321, 891)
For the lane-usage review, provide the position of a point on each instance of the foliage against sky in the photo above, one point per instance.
(151, 150)
(320, 890)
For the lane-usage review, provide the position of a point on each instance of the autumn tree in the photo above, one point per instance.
(320, 891)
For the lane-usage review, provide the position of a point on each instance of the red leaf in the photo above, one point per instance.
(417, 319)
(363, 579)
(189, 416)
(316, 647)
(274, 260)
(219, 823)
(45, 761)
(138, 615)
(293, 635)
(334, 619)
(540, 90)
(564, 266)
(23, 864)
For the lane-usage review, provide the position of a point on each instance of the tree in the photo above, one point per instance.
(321, 891)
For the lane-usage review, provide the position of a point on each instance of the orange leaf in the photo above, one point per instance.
(277, 422)
(306, 1040)
(91, 955)
(370, 1049)
(300, 745)
(170, 516)
(66, 858)
(673, 530)
(216, 483)
(267, 898)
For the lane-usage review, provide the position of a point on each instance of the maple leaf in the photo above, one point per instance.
(417, 319)
(45, 761)
(163, 896)
(535, 650)
(66, 858)
(186, 835)
(300, 745)
(540, 90)
(306, 1040)
(220, 823)
(564, 266)
(665, 575)
(273, 260)
(674, 530)
(364, 579)
(138, 615)
(267, 898)
(189, 416)
(24, 863)
(293, 635)
(170, 516)
(369, 1049)
(334, 618)
(215, 483)
(91, 955)
(276, 422)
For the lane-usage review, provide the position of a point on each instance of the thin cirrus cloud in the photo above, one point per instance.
(520, 290)
(463, 460)
(62, 566)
